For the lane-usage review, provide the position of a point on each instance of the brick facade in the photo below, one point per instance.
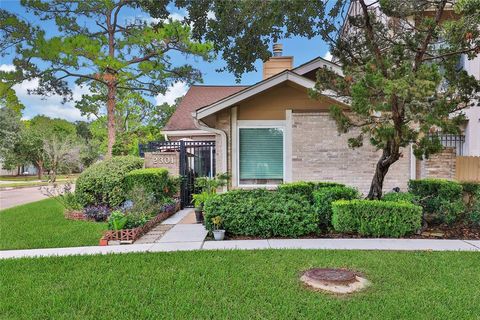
(439, 165)
(321, 154)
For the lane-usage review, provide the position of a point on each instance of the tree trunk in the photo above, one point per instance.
(388, 158)
(376, 186)
(111, 104)
(39, 170)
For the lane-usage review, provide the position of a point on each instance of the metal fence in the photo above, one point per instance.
(197, 159)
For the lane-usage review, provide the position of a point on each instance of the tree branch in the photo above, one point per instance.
(419, 56)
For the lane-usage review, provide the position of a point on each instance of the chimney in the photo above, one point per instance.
(277, 63)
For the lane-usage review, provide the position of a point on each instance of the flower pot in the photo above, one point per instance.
(198, 215)
(219, 234)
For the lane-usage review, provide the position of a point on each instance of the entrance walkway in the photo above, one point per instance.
(180, 227)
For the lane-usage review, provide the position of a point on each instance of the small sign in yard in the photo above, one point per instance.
(167, 160)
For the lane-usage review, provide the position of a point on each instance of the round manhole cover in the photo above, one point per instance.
(336, 276)
(334, 280)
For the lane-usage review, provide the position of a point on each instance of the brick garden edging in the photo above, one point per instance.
(130, 235)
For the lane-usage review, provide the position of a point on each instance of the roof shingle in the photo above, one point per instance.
(197, 97)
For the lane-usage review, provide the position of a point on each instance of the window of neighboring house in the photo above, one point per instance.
(261, 156)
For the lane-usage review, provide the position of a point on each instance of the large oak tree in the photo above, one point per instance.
(96, 44)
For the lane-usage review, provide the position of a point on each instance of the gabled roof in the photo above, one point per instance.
(198, 96)
(248, 92)
(316, 64)
(257, 88)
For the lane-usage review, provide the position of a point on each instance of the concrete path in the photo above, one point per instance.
(16, 197)
(323, 244)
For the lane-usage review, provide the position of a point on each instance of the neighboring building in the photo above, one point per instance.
(20, 170)
(272, 132)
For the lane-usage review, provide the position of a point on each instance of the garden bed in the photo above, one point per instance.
(124, 236)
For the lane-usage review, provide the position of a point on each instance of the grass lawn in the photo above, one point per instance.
(35, 178)
(239, 285)
(42, 225)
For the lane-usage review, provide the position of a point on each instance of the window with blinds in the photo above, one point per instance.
(260, 156)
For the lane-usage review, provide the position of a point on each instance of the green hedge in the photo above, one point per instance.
(103, 182)
(262, 213)
(471, 197)
(440, 198)
(324, 197)
(376, 218)
(155, 181)
(398, 196)
(305, 188)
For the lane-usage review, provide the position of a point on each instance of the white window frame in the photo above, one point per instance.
(258, 124)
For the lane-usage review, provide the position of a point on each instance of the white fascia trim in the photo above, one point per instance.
(253, 90)
(186, 133)
(316, 64)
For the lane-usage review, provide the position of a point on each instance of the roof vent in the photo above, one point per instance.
(277, 49)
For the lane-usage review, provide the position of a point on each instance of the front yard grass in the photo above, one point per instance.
(42, 225)
(239, 285)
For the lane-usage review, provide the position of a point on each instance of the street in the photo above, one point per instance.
(15, 197)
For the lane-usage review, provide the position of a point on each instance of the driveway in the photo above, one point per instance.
(15, 197)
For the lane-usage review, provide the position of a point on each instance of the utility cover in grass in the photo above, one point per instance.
(340, 281)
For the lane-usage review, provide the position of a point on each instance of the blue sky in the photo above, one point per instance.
(302, 49)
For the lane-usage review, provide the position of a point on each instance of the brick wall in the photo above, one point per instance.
(440, 165)
(321, 154)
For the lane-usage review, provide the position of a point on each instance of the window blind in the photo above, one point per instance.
(261, 153)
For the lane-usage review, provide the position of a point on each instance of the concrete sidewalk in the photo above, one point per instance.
(322, 244)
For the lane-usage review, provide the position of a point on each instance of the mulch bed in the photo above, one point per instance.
(459, 231)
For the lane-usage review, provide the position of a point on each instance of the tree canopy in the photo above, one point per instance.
(94, 46)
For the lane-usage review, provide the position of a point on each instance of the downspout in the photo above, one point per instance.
(223, 136)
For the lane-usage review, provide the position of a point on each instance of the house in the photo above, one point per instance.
(272, 132)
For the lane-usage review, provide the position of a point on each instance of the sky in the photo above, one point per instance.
(302, 49)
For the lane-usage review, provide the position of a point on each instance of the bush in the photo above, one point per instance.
(103, 182)
(261, 213)
(471, 196)
(305, 188)
(442, 199)
(398, 196)
(154, 180)
(376, 218)
(143, 207)
(324, 197)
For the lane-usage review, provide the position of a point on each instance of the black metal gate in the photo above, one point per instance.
(197, 159)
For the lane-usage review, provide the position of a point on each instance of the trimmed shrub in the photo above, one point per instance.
(305, 188)
(153, 180)
(376, 218)
(103, 182)
(398, 196)
(440, 198)
(324, 197)
(261, 213)
(471, 197)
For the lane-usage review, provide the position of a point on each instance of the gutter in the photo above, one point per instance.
(202, 126)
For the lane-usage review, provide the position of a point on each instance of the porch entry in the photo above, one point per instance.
(188, 159)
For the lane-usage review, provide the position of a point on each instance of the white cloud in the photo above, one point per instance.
(7, 67)
(328, 56)
(51, 106)
(177, 90)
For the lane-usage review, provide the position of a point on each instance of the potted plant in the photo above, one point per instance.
(218, 234)
(198, 201)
